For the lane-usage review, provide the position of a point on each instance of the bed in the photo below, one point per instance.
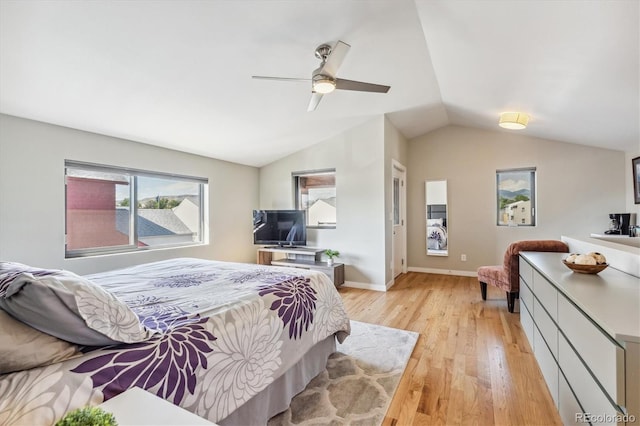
(231, 342)
(436, 234)
(437, 238)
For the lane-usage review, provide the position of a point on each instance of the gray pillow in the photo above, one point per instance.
(23, 347)
(67, 306)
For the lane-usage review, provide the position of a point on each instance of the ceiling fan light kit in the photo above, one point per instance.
(324, 80)
(513, 120)
(323, 84)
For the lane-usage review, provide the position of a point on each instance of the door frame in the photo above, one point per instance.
(397, 167)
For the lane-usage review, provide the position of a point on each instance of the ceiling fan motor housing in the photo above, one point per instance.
(322, 52)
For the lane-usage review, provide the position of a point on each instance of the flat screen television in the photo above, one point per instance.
(280, 227)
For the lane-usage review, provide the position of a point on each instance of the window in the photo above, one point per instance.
(315, 192)
(396, 201)
(111, 209)
(516, 197)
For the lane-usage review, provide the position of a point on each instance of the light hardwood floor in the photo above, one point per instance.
(472, 363)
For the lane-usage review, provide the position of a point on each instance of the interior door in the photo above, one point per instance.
(399, 264)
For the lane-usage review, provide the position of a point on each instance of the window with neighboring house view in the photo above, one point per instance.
(315, 192)
(110, 209)
(516, 196)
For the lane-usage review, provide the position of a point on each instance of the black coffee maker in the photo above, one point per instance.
(619, 224)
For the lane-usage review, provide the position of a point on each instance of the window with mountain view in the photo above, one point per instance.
(315, 192)
(516, 197)
(111, 209)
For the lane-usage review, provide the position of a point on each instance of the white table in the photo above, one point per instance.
(137, 407)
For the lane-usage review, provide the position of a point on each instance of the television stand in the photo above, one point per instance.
(301, 257)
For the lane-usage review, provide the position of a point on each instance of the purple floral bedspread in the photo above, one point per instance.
(225, 331)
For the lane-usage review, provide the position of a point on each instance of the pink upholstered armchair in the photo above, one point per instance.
(506, 276)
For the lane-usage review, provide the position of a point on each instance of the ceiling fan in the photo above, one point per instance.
(324, 80)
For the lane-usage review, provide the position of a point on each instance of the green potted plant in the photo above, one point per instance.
(88, 416)
(331, 254)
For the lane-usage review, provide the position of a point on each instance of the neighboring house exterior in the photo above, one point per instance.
(91, 215)
(518, 213)
(189, 213)
(94, 220)
(156, 227)
(322, 212)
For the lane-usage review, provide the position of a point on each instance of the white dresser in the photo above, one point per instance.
(585, 334)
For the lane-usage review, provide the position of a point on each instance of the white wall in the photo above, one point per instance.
(358, 157)
(577, 186)
(32, 158)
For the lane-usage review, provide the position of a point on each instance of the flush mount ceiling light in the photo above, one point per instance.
(323, 84)
(513, 120)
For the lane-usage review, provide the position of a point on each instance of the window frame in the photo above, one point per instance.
(296, 193)
(512, 222)
(134, 174)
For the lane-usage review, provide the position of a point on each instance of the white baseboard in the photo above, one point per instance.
(364, 286)
(390, 284)
(443, 271)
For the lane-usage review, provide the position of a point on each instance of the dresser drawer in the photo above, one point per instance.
(547, 327)
(547, 364)
(526, 271)
(603, 357)
(570, 411)
(527, 323)
(526, 296)
(546, 294)
(592, 399)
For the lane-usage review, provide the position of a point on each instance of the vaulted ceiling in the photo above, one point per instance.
(178, 73)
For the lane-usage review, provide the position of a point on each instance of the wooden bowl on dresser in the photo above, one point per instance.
(586, 269)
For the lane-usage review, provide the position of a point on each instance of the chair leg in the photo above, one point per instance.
(511, 299)
(483, 290)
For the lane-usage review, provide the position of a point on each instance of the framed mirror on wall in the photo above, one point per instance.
(437, 223)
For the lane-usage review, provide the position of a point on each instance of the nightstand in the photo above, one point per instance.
(138, 407)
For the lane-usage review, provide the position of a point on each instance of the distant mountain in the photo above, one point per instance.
(179, 198)
(511, 195)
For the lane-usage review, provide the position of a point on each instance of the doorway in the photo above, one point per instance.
(399, 219)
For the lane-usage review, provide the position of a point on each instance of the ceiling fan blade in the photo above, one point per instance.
(315, 100)
(262, 77)
(360, 86)
(335, 58)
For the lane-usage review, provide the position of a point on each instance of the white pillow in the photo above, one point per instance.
(435, 222)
